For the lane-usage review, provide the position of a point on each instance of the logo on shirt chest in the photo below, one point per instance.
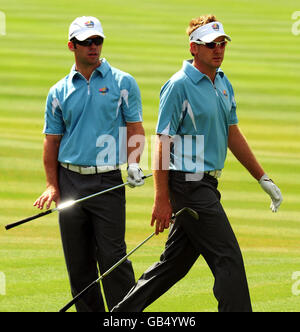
(225, 93)
(104, 90)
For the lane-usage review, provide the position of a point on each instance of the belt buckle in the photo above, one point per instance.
(215, 173)
(85, 170)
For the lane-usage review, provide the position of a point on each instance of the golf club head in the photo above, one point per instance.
(190, 211)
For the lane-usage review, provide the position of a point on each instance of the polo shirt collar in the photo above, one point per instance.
(194, 74)
(103, 69)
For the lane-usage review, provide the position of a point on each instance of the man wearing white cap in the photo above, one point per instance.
(91, 115)
(197, 122)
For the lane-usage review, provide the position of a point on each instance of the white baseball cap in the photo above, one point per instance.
(84, 27)
(208, 33)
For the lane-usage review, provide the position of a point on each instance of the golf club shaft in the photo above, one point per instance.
(17, 223)
(79, 295)
(191, 212)
(106, 190)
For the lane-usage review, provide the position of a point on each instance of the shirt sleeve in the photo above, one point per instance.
(233, 116)
(54, 124)
(131, 101)
(170, 109)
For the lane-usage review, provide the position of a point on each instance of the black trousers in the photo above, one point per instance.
(92, 234)
(211, 236)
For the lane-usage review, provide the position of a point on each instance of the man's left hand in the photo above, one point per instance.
(135, 175)
(270, 188)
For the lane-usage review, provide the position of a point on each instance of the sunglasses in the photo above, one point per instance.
(212, 45)
(88, 42)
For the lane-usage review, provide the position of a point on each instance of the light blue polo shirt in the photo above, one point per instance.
(92, 115)
(197, 114)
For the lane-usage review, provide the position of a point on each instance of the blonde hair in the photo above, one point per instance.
(199, 21)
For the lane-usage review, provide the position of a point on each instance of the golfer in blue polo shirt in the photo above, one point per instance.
(90, 116)
(197, 122)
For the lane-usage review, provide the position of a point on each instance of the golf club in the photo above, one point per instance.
(67, 204)
(193, 213)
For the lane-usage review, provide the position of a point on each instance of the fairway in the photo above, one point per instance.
(148, 40)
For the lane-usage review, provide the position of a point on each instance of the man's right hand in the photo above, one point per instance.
(48, 196)
(161, 214)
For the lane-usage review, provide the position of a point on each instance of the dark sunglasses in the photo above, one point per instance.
(212, 45)
(88, 42)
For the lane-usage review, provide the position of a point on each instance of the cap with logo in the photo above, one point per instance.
(208, 33)
(85, 27)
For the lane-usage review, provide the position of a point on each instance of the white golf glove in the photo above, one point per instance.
(270, 188)
(135, 175)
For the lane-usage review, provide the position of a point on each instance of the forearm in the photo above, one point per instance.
(238, 145)
(135, 142)
(50, 159)
(162, 209)
(51, 147)
(240, 148)
(161, 168)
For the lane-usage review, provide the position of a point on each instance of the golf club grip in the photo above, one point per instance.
(77, 297)
(28, 219)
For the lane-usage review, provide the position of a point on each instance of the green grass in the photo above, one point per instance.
(148, 40)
